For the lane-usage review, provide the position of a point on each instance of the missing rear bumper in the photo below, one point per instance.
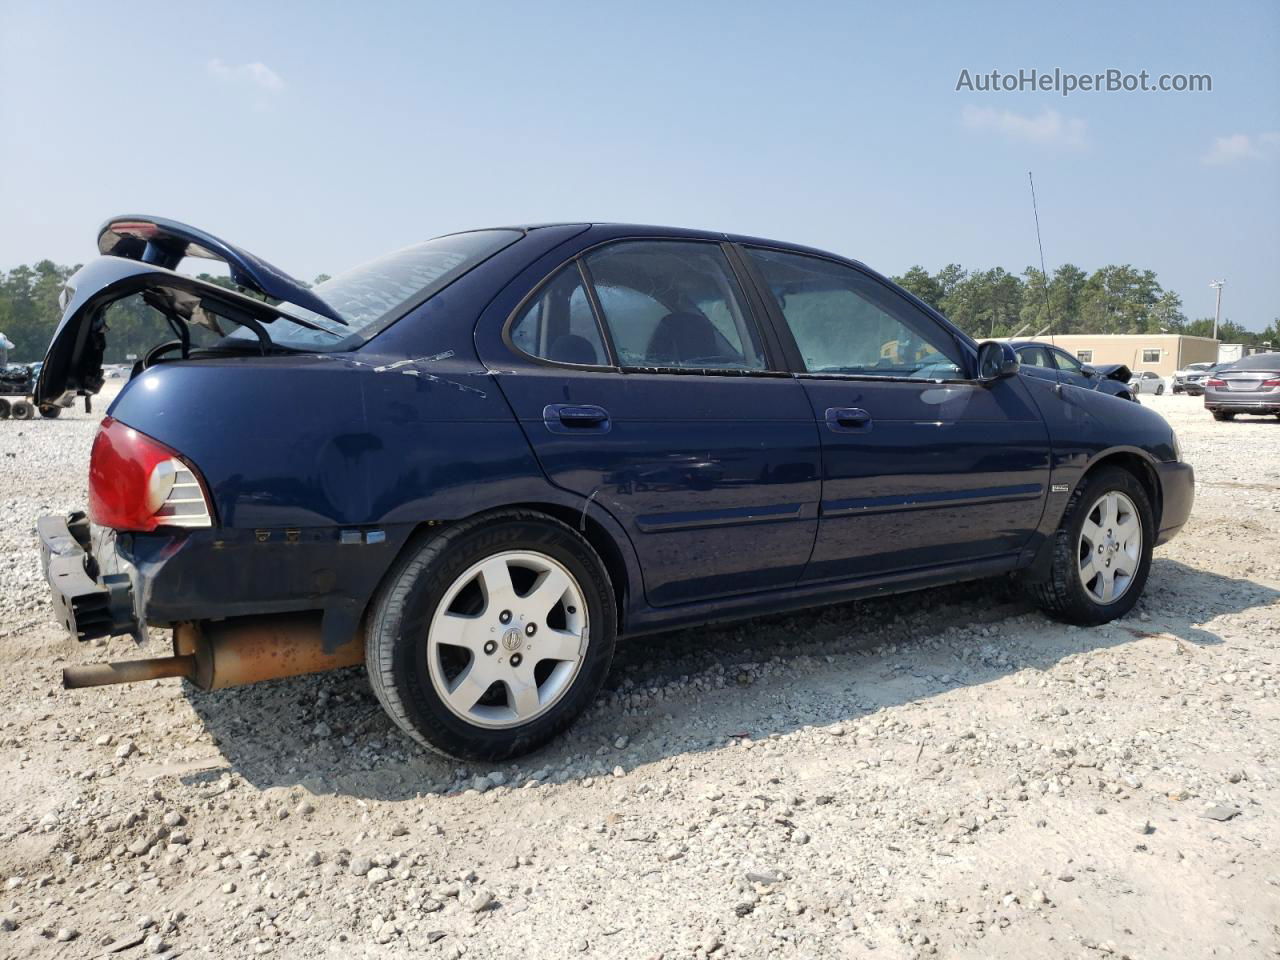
(88, 604)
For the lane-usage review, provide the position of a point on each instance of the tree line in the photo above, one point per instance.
(983, 303)
(1112, 299)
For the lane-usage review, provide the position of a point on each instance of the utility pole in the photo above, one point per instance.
(1217, 310)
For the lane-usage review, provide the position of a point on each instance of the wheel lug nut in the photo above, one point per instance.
(490, 647)
(530, 629)
(504, 616)
(516, 659)
(571, 610)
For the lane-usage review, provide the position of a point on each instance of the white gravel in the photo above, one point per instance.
(943, 773)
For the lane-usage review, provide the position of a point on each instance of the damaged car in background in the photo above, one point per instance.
(473, 464)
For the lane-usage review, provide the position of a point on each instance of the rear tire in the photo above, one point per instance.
(1223, 415)
(22, 410)
(1160, 390)
(4, 409)
(50, 411)
(1111, 551)
(448, 622)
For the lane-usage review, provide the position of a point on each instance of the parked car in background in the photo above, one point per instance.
(1248, 385)
(1191, 379)
(1147, 382)
(1048, 362)
(472, 464)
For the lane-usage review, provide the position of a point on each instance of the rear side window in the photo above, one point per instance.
(558, 323)
(674, 304)
(845, 322)
(1035, 357)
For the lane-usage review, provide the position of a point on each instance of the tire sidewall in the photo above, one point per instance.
(1106, 480)
(410, 626)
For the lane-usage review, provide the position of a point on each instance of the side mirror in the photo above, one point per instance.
(995, 360)
(1088, 370)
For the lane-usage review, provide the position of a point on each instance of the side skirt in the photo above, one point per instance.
(804, 596)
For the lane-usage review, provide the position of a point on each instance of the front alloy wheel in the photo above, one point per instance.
(1101, 552)
(1110, 548)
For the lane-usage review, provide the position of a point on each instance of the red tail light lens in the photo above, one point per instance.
(1215, 383)
(137, 483)
(1271, 383)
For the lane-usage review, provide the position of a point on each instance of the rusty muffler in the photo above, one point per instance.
(228, 653)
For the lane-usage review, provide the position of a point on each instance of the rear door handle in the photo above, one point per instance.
(575, 418)
(848, 420)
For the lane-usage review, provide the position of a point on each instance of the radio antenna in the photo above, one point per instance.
(1044, 276)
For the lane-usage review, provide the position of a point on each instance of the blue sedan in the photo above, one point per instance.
(473, 464)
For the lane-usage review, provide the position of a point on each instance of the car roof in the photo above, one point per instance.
(1256, 361)
(608, 229)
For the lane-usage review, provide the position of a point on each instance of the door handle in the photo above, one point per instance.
(575, 418)
(848, 420)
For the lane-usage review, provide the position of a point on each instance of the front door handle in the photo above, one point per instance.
(848, 420)
(575, 418)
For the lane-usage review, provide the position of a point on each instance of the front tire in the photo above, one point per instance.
(50, 411)
(1223, 415)
(488, 640)
(1101, 551)
(1160, 390)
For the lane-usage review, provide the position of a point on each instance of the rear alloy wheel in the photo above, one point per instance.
(1101, 551)
(488, 640)
(1223, 415)
(22, 410)
(50, 411)
(1160, 390)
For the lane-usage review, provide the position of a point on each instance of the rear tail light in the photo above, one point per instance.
(137, 483)
(1271, 383)
(1215, 383)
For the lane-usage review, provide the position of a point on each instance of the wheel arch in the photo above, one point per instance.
(1140, 466)
(618, 559)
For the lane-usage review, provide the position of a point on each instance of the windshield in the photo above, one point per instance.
(369, 297)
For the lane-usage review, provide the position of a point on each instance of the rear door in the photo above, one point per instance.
(645, 385)
(922, 466)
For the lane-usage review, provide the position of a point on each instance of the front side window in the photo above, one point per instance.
(1067, 362)
(1151, 355)
(676, 304)
(845, 322)
(559, 325)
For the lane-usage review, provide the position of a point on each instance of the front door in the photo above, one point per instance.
(642, 381)
(922, 466)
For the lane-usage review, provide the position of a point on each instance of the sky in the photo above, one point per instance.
(320, 135)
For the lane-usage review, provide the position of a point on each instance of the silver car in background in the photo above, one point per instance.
(1191, 380)
(1147, 382)
(1249, 385)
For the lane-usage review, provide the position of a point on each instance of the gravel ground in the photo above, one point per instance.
(944, 773)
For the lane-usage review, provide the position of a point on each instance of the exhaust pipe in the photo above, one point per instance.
(228, 653)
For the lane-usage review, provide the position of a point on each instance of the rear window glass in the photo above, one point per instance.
(372, 295)
(1257, 361)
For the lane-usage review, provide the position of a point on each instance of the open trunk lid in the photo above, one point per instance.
(166, 243)
(140, 254)
(73, 363)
